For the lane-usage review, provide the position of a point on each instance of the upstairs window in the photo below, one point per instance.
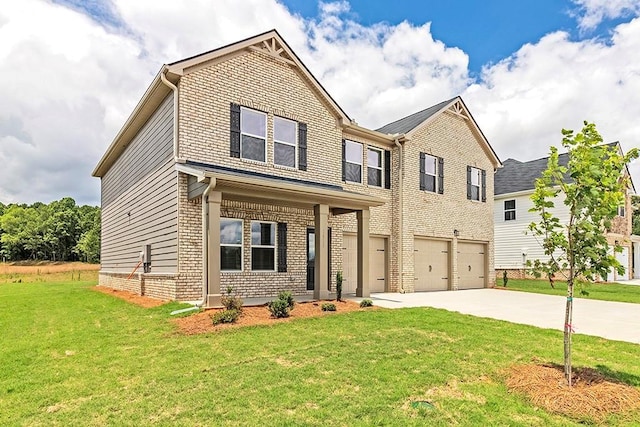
(621, 211)
(253, 135)
(352, 161)
(476, 184)
(263, 246)
(284, 142)
(431, 173)
(374, 167)
(230, 244)
(509, 210)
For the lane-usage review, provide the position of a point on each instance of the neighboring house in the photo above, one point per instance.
(514, 185)
(237, 169)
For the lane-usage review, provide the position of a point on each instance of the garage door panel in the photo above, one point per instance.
(471, 265)
(377, 264)
(431, 265)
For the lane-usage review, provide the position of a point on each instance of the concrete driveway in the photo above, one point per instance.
(611, 320)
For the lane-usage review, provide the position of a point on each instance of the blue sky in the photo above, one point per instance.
(526, 69)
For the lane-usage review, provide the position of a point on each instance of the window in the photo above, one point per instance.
(509, 210)
(253, 134)
(374, 167)
(284, 142)
(230, 244)
(352, 161)
(621, 211)
(431, 173)
(476, 184)
(263, 246)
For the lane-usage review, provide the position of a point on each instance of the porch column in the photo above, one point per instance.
(362, 287)
(213, 249)
(321, 268)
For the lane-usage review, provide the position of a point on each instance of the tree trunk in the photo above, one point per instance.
(568, 318)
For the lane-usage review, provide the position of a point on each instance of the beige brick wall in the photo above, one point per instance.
(438, 215)
(159, 286)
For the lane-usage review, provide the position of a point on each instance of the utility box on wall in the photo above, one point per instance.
(146, 256)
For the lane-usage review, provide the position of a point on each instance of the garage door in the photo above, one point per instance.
(431, 264)
(471, 265)
(377, 264)
(623, 258)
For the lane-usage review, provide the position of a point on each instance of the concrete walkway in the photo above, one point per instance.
(611, 320)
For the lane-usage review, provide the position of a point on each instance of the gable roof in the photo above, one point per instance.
(269, 43)
(515, 176)
(408, 123)
(455, 106)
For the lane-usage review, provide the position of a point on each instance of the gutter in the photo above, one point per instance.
(396, 141)
(174, 88)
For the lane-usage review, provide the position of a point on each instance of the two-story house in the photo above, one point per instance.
(237, 169)
(514, 185)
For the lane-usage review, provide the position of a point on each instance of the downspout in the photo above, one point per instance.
(174, 88)
(396, 141)
(205, 239)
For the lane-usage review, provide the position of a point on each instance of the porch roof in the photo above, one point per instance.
(236, 184)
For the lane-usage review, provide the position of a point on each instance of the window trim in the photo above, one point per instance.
(235, 245)
(381, 168)
(274, 247)
(348, 141)
(263, 138)
(479, 186)
(434, 175)
(294, 144)
(510, 210)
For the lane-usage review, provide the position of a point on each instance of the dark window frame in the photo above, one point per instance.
(234, 245)
(509, 211)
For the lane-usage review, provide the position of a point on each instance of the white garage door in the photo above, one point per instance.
(431, 264)
(623, 258)
(377, 264)
(471, 265)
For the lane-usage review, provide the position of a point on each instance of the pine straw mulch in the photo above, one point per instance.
(200, 323)
(131, 297)
(592, 396)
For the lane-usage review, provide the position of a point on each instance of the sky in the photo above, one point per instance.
(73, 70)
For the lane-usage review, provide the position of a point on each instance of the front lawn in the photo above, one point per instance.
(73, 356)
(598, 291)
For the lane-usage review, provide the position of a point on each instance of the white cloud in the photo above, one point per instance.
(71, 82)
(592, 12)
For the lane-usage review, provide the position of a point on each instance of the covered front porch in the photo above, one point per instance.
(216, 184)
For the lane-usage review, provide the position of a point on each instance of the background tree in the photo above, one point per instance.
(593, 191)
(635, 207)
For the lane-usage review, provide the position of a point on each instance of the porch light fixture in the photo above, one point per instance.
(456, 232)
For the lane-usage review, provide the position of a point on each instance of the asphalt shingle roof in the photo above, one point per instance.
(517, 176)
(405, 124)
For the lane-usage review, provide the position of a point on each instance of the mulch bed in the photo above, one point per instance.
(201, 322)
(131, 297)
(592, 396)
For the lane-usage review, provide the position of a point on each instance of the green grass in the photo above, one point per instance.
(597, 291)
(71, 356)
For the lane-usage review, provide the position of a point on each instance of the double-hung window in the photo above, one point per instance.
(284, 142)
(430, 172)
(253, 134)
(621, 211)
(374, 167)
(230, 244)
(263, 246)
(475, 181)
(509, 210)
(352, 161)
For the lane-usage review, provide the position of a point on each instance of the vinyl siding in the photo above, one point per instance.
(510, 236)
(139, 200)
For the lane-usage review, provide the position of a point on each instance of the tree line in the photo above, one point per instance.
(59, 231)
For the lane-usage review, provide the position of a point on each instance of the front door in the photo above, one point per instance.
(311, 258)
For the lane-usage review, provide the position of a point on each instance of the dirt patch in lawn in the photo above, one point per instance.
(201, 322)
(131, 297)
(45, 267)
(592, 397)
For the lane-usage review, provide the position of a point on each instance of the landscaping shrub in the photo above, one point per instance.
(231, 302)
(287, 297)
(339, 286)
(328, 306)
(225, 316)
(366, 303)
(279, 308)
(505, 278)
